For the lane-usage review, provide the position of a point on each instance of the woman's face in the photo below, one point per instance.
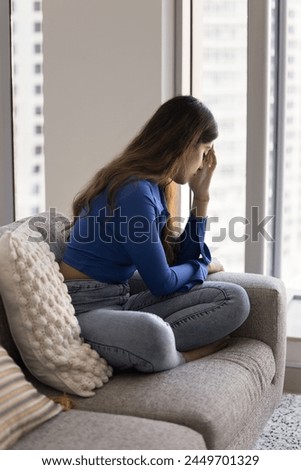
(193, 163)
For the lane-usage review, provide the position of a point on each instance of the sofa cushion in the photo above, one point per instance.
(76, 430)
(22, 408)
(41, 317)
(214, 395)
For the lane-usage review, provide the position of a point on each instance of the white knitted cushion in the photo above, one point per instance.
(42, 320)
(22, 407)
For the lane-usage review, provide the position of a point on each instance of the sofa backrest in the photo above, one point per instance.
(51, 227)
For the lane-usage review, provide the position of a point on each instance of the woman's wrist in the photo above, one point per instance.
(199, 206)
(202, 197)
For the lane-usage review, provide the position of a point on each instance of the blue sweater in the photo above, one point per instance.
(110, 247)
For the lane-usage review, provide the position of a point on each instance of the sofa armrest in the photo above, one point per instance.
(267, 319)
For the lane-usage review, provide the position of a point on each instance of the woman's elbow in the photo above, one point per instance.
(159, 290)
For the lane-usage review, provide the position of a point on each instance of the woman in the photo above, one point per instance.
(121, 225)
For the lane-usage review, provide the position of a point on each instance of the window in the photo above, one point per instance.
(28, 119)
(38, 150)
(220, 57)
(290, 252)
(38, 68)
(36, 169)
(38, 89)
(37, 27)
(220, 80)
(37, 48)
(35, 189)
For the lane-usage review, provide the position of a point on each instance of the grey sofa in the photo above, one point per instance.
(219, 402)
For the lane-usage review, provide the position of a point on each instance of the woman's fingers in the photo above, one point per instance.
(211, 158)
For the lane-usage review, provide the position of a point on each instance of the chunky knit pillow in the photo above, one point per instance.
(22, 407)
(41, 317)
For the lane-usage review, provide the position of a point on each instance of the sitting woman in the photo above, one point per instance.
(121, 225)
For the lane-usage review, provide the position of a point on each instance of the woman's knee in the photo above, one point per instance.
(159, 344)
(158, 335)
(239, 301)
(129, 339)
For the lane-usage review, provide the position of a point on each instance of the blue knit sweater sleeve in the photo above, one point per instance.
(191, 243)
(140, 237)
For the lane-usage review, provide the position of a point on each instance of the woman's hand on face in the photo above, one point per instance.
(199, 183)
(215, 266)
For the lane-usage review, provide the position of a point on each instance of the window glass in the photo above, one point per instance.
(220, 81)
(28, 120)
(291, 218)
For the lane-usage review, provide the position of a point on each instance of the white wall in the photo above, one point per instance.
(108, 64)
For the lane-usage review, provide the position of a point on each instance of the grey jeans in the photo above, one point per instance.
(148, 333)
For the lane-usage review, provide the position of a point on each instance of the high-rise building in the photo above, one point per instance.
(291, 240)
(223, 79)
(27, 71)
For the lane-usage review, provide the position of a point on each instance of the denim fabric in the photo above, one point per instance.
(148, 333)
(88, 295)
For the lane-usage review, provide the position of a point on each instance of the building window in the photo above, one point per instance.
(37, 6)
(38, 150)
(38, 68)
(37, 48)
(35, 189)
(35, 210)
(36, 169)
(37, 27)
(39, 129)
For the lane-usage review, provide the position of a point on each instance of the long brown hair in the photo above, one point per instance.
(157, 153)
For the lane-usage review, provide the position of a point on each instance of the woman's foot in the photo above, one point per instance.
(204, 351)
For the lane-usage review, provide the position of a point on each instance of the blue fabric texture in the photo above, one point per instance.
(109, 246)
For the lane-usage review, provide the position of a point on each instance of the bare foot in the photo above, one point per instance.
(204, 351)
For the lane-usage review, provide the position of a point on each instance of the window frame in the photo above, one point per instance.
(7, 210)
(258, 118)
(183, 75)
(279, 137)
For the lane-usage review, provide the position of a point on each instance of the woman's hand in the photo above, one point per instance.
(199, 183)
(215, 266)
